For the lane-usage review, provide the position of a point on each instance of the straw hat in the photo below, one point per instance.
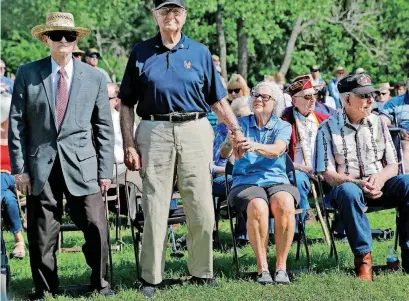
(59, 21)
(78, 50)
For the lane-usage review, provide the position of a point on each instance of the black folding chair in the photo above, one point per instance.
(233, 214)
(176, 216)
(373, 205)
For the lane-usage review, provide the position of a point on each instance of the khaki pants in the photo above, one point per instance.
(165, 148)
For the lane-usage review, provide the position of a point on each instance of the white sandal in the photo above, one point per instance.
(19, 254)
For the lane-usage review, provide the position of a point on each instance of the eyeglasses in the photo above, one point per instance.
(308, 96)
(316, 70)
(384, 93)
(264, 97)
(177, 11)
(56, 36)
(76, 55)
(366, 96)
(237, 91)
(93, 56)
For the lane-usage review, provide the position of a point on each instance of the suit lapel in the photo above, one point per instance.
(46, 74)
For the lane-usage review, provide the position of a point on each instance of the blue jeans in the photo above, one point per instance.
(10, 202)
(351, 203)
(304, 186)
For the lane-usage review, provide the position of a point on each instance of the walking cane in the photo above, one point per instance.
(111, 270)
(314, 192)
(319, 213)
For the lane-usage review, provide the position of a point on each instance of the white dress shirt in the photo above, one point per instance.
(69, 70)
(307, 128)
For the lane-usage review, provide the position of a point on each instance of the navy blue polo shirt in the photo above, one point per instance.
(161, 80)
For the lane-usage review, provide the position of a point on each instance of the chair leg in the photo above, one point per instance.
(304, 239)
(397, 232)
(235, 255)
(216, 222)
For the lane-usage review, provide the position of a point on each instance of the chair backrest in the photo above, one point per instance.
(289, 166)
(228, 171)
(396, 139)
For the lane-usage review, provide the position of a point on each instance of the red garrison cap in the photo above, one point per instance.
(299, 83)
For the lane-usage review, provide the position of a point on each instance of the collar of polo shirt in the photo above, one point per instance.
(343, 120)
(183, 43)
(269, 125)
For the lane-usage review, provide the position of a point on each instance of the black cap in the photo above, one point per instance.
(357, 83)
(162, 3)
(92, 51)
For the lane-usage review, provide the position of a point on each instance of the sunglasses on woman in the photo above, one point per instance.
(56, 36)
(237, 91)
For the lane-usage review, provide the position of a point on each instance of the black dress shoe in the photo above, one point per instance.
(147, 289)
(204, 281)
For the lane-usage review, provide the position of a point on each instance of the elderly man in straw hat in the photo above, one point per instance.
(61, 143)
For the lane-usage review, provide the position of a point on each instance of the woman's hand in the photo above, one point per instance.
(247, 145)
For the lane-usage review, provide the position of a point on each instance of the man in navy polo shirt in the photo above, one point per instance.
(174, 83)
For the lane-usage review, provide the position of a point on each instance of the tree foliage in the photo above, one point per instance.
(361, 33)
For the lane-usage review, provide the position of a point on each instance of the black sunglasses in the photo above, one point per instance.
(93, 55)
(237, 91)
(384, 93)
(56, 36)
(367, 95)
(77, 54)
(315, 70)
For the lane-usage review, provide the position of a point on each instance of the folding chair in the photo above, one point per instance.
(373, 205)
(114, 197)
(231, 212)
(132, 183)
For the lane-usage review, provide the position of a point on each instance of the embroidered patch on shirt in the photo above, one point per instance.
(188, 64)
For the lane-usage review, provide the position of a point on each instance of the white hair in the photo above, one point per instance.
(342, 97)
(240, 106)
(276, 93)
(5, 103)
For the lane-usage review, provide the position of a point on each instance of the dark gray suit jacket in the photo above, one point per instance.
(85, 141)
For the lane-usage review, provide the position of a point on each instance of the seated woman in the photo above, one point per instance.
(260, 183)
(240, 108)
(7, 194)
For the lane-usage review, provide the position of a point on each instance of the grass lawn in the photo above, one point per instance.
(322, 281)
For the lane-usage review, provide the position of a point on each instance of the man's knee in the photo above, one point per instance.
(348, 195)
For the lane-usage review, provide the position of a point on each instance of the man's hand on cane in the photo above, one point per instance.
(104, 184)
(23, 183)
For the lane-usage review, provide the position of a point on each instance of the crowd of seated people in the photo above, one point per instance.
(351, 148)
(341, 139)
